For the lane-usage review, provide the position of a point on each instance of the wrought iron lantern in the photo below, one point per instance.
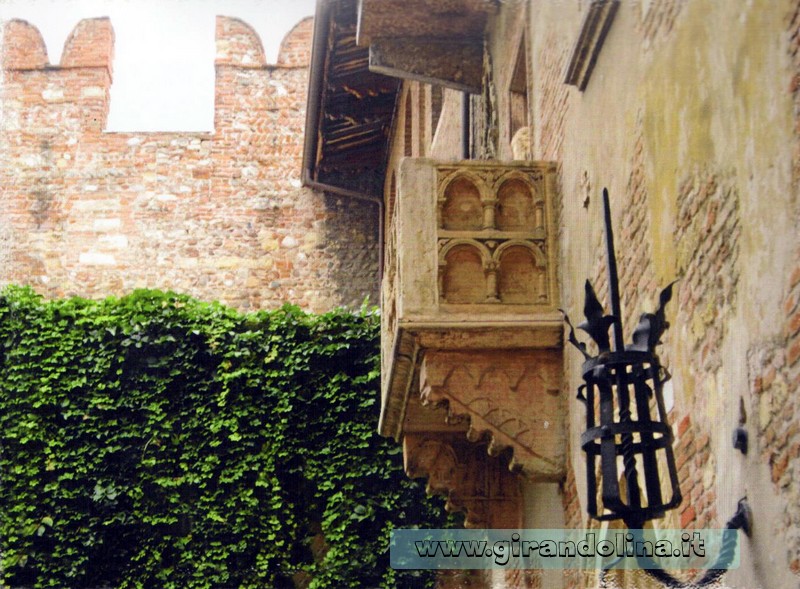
(631, 473)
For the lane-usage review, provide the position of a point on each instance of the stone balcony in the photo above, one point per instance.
(471, 324)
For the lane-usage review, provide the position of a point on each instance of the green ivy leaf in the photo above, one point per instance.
(199, 446)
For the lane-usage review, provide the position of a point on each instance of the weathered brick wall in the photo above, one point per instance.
(774, 366)
(553, 96)
(775, 379)
(707, 244)
(707, 233)
(295, 46)
(671, 122)
(217, 215)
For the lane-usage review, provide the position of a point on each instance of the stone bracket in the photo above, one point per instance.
(471, 480)
(400, 380)
(453, 63)
(510, 397)
(596, 24)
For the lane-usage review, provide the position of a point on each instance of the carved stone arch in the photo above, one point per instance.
(486, 255)
(463, 200)
(519, 203)
(514, 174)
(510, 377)
(536, 251)
(521, 273)
(463, 267)
(477, 179)
(463, 373)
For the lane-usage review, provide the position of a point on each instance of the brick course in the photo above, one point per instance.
(218, 215)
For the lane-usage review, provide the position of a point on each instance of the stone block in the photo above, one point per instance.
(97, 259)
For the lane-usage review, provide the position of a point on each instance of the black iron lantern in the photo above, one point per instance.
(631, 473)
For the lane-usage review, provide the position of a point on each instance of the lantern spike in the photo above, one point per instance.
(627, 431)
(652, 326)
(613, 279)
(581, 346)
(597, 323)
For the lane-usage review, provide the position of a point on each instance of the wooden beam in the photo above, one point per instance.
(455, 63)
(595, 27)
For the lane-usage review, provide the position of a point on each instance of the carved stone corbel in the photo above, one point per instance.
(464, 473)
(511, 397)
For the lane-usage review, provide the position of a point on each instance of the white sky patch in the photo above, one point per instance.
(163, 52)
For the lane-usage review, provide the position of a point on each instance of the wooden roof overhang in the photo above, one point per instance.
(362, 50)
(350, 109)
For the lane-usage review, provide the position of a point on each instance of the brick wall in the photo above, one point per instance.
(637, 283)
(553, 98)
(774, 366)
(217, 215)
(707, 230)
(707, 242)
(696, 476)
(774, 380)
(294, 51)
(632, 234)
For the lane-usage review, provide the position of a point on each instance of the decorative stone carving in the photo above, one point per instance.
(461, 207)
(464, 274)
(480, 213)
(471, 266)
(471, 344)
(510, 397)
(471, 480)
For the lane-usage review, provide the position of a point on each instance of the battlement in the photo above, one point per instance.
(23, 47)
(238, 44)
(295, 48)
(78, 89)
(91, 45)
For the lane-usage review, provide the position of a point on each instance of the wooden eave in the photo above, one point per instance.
(350, 109)
(433, 19)
(438, 42)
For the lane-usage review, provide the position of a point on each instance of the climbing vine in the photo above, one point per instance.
(157, 441)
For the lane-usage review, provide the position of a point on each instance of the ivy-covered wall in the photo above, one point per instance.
(156, 441)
